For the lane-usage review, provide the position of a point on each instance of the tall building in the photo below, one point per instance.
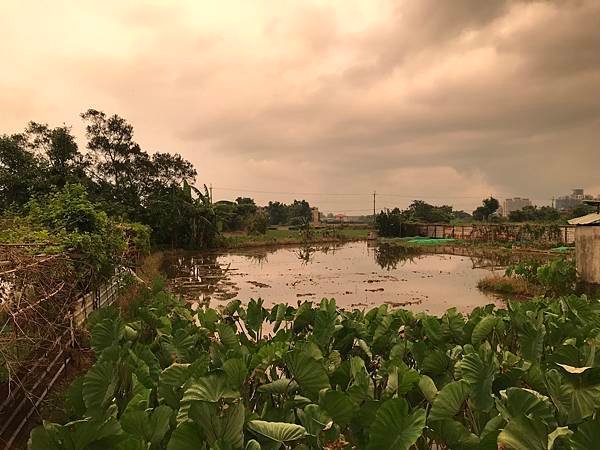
(315, 215)
(572, 200)
(514, 204)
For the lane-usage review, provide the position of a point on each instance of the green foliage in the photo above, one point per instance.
(389, 223)
(489, 207)
(167, 376)
(556, 277)
(535, 214)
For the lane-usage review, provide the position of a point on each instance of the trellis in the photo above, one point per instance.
(41, 308)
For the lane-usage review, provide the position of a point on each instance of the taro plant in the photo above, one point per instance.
(317, 377)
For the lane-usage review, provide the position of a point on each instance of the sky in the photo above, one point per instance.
(445, 101)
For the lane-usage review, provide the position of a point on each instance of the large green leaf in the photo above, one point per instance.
(280, 386)
(517, 402)
(576, 395)
(587, 435)
(170, 382)
(309, 373)
(236, 371)
(99, 385)
(449, 400)
(428, 388)
(150, 428)
(220, 423)
(339, 406)
(479, 373)
(531, 336)
(228, 336)
(105, 333)
(394, 427)
(77, 435)
(483, 329)
(186, 436)
(325, 318)
(277, 432)
(455, 434)
(523, 433)
(209, 389)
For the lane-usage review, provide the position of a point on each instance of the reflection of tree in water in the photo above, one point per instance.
(197, 277)
(306, 252)
(389, 256)
(258, 257)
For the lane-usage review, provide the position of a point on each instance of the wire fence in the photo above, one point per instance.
(20, 401)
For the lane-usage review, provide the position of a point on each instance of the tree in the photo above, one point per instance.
(301, 209)
(278, 213)
(490, 206)
(534, 214)
(389, 223)
(119, 160)
(420, 211)
(168, 170)
(20, 173)
(581, 210)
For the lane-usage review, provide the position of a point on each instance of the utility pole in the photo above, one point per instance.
(374, 194)
(211, 197)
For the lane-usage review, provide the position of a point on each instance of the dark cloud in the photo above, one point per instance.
(445, 100)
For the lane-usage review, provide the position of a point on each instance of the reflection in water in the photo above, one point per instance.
(389, 256)
(355, 274)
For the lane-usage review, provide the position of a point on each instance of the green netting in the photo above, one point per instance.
(562, 249)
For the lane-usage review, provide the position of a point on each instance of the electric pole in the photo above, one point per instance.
(211, 197)
(374, 194)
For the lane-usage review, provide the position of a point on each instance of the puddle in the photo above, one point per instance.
(355, 274)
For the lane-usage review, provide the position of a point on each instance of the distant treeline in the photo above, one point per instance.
(388, 222)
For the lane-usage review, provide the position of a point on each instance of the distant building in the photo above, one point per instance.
(315, 215)
(514, 204)
(571, 201)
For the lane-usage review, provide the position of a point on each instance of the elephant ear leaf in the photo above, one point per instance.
(339, 406)
(587, 435)
(483, 328)
(449, 400)
(308, 372)
(105, 333)
(276, 433)
(187, 435)
(99, 385)
(524, 433)
(394, 427)
(479, 373)
(151, 428)
(252, 444)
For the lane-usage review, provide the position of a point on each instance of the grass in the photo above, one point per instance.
(508, 286)
(282, 236)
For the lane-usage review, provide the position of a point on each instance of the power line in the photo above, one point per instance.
(350, 194)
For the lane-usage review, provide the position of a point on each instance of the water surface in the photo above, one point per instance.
(355, 274)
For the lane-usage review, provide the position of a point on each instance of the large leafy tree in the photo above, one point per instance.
(20, 173)
(59, 152)
(489, 207)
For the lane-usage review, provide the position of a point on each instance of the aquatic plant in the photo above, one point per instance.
(168, 376)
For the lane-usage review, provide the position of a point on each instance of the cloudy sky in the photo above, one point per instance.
(448, 101)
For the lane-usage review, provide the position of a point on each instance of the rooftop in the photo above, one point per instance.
(589, 219)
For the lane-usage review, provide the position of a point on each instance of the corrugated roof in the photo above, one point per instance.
(589, 219)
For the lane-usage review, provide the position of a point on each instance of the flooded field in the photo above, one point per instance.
(355, 274)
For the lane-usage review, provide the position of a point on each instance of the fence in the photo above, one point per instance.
(563, 234)
(21, 401)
